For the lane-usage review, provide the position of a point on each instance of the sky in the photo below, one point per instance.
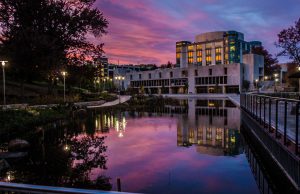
(145, 31)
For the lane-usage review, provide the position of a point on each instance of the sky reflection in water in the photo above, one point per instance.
(185, 153)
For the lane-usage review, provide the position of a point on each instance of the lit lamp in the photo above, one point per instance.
(64, 73)
(266, 77)
(3, 69)
(256, 83)
(119, 78)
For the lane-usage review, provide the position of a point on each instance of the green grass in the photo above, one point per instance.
(30, 118)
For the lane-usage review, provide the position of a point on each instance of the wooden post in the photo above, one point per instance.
(119, 184)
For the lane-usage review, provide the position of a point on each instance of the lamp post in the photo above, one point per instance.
(119, 78)
(256, 83)
(64, 73)
(276, 80)
(3, 70)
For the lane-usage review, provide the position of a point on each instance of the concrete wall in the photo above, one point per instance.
(251, 65)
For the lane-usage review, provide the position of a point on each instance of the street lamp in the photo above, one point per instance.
(276, 80)
(3, 70)
(256, 83)
(119, 78)
(64, 73)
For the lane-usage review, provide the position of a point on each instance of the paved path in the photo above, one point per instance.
(236, 99)
(122, 99)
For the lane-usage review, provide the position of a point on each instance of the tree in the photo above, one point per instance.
(270, 62)
(39, 37)
(289, 41)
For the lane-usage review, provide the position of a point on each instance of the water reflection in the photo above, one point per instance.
(207, 126)
(183, 148)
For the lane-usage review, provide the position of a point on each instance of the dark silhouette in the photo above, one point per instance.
(39, 37)
(289, 41)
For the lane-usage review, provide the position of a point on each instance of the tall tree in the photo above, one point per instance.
(289, 41)
(269, 60)
(40, 36)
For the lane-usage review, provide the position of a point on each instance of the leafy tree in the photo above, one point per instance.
(270, 62)
(39, 36)
(289, 41)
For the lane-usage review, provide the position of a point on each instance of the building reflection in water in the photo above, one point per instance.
(203, 123)
(208, 128)
(106, 121)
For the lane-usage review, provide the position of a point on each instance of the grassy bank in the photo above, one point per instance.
(27, 119)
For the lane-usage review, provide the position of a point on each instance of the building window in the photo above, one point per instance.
(208, 56)
(140, 76)
(149, 75)
(190, 57)
(130, 77)
(207, 51)
(199, 56)
(171, 74)
(208, 60)
(196, 72)
(210, 71)
(225, 71)
(159, 74)
(184, 73)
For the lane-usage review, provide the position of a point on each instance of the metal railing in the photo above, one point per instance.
(15, 188)
(278, 115)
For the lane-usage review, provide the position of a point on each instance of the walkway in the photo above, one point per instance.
(120, 100)
(235, 98)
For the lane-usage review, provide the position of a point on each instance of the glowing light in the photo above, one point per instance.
(256, 80)
(66, 147)
(120, 135)
(9, 177)
(211, 104)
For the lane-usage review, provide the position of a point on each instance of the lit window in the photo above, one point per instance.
(218, 50)
(232, 48)
(199, 46)
(191, 47)
(208, 51)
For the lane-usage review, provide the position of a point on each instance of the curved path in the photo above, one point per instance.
(120, 100)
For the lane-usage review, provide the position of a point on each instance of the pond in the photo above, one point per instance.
(193, 147)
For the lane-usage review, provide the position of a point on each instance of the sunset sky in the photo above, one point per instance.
(145, 31)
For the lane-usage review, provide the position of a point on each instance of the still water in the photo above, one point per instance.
(195, 147)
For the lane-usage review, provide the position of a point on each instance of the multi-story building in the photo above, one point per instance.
(102, 68)
(217, 62)
(213, 48)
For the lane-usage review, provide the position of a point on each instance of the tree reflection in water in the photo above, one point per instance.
(62, 165)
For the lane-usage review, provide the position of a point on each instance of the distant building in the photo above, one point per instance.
(102, 68)
(218, 62)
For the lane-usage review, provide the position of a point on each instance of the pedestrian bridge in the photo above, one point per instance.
(274, 123)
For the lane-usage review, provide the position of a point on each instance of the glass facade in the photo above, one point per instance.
(214, 49)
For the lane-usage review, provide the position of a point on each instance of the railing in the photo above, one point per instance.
(14, 188)
(290, 95)
(277, 115)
